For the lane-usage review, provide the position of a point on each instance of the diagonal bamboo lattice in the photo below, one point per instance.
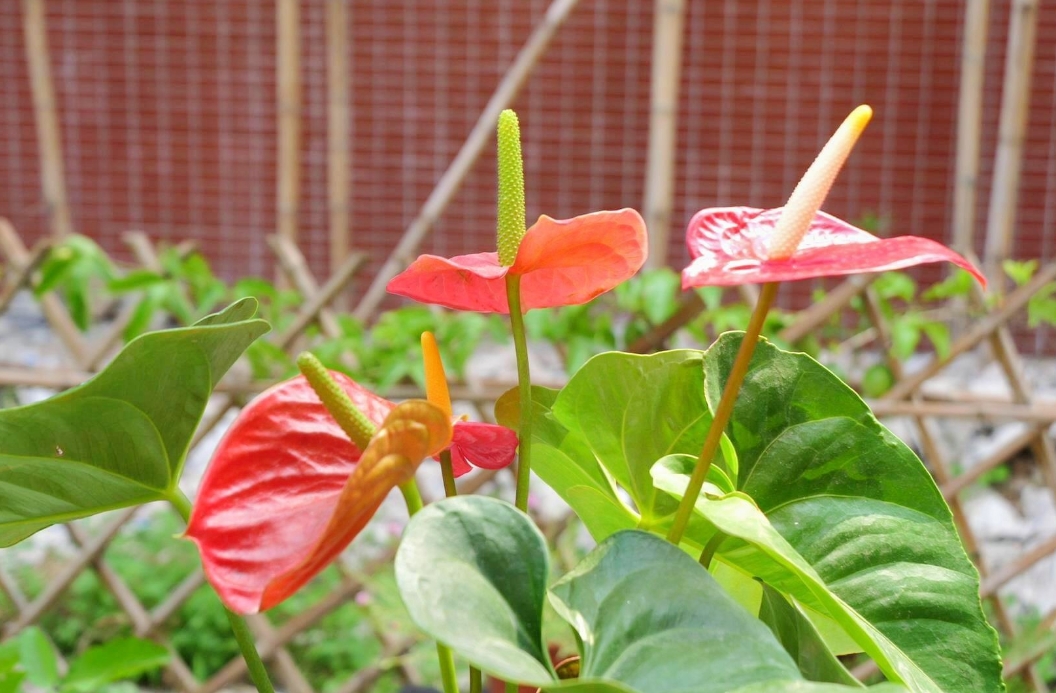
(904, 399)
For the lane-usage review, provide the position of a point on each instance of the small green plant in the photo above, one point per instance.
(77, 269)
(31, 659)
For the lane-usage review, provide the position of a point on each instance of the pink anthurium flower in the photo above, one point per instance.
(744, 245)
(287, 491)
(731, 245)
(560, 262)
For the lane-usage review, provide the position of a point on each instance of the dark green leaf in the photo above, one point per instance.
(861, 510)
(119, 439)
(651, 619)
(801, 640)
(472, 571)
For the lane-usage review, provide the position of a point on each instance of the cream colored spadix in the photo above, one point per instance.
(813, 187)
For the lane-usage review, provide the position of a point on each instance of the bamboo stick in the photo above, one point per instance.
(668, 28)
(470, 151)
(969, 123)
(965, 410)
(1015, 99)
(339, 116)
(49, 142)
(54, 310)
(289, 96)
(310, 309)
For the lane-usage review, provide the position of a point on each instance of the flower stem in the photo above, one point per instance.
(723, 412)
(476, 680)
(448, 472)
(413, 498)
(257, 673)
(524, 383)
(244, 638)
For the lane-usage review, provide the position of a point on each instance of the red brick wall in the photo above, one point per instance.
(169, 118)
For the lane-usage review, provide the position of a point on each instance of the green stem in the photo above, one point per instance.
(512, 687)
(710, 548)
(723, 412)
(448, 675)
(243, 637)
(257, 673)
(476, 680)
(411, 496)
(448, 472)
(524, 383)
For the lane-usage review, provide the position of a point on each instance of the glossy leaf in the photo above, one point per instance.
(632, 410)
(286, 491)
(652, 619)
(121, 438)
(560, 262)
(731, 246)
(563, 460)
(473, 571)
(857, 506)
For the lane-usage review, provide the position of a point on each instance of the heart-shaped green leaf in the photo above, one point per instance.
(563, 460)
(652, 619)
(472, 572)
(119, 439)
(632, 410)
(860, 509)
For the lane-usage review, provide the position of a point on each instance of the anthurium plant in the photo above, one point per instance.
(754, 522)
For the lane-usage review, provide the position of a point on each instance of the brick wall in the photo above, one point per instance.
(168, 115)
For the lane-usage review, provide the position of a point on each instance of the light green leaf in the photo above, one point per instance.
(38, 658)
(119, 659)
(563, 460)
(119, 439)
(632, 410)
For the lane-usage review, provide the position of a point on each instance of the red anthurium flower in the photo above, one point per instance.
(287, 491)
(731, 245)
(560, 262)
